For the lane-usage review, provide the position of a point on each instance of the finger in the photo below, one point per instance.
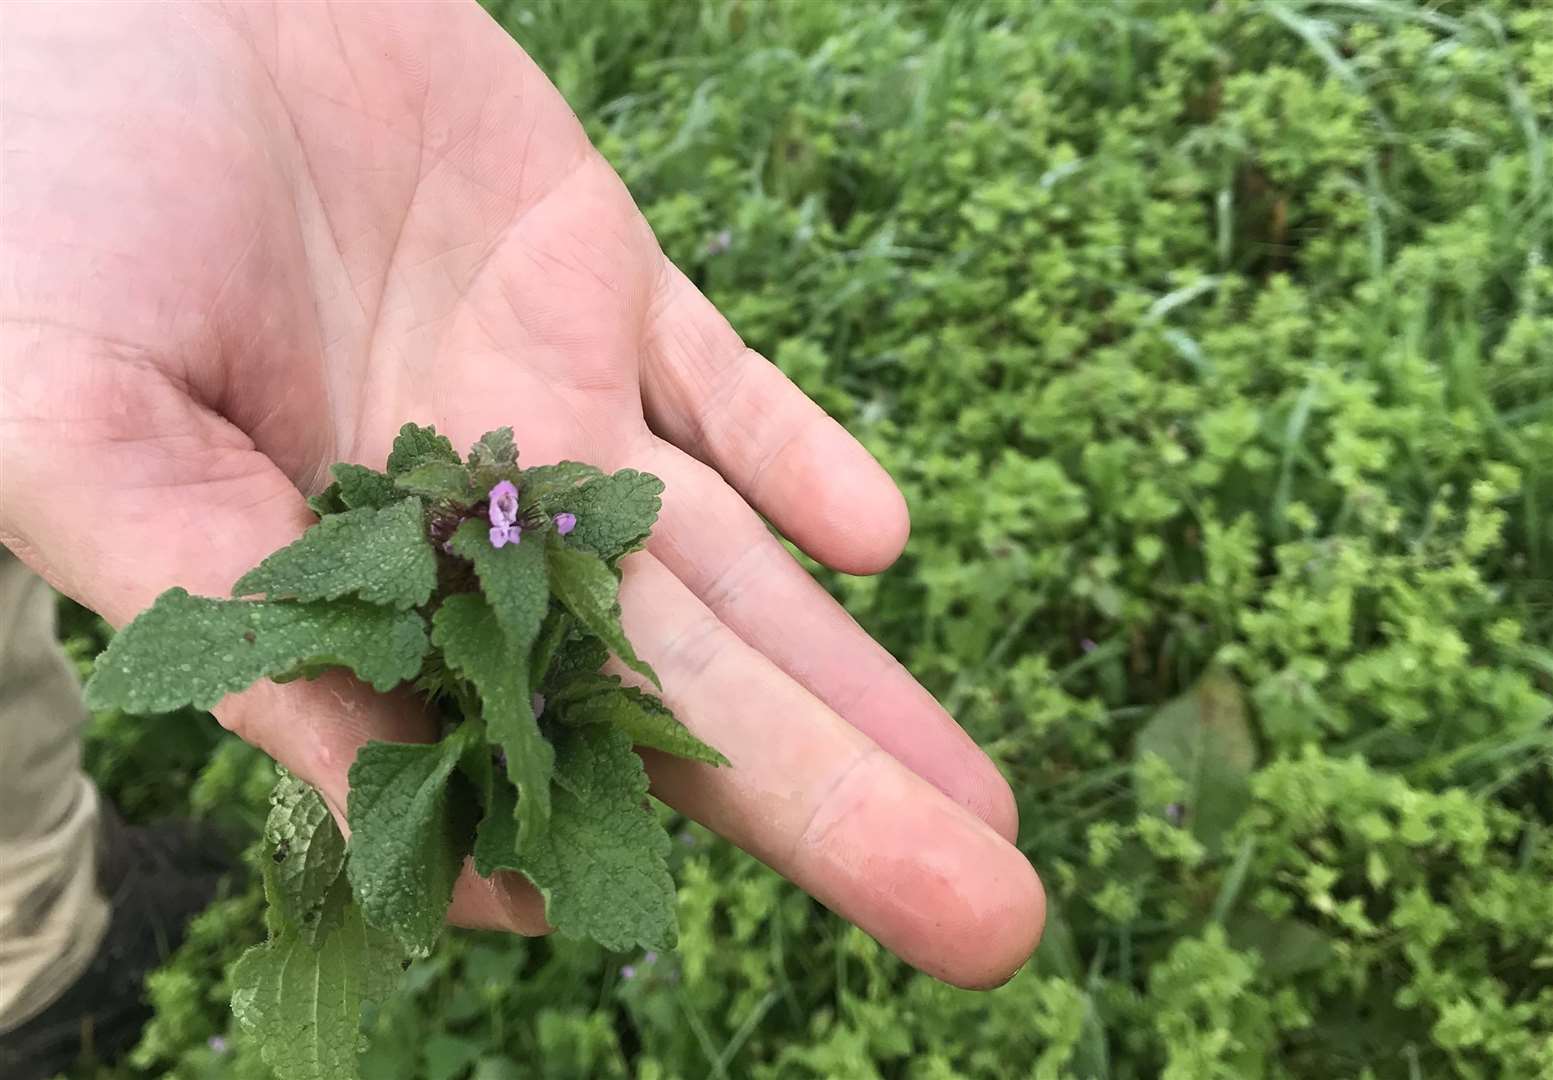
(712, 542)
(821, 803)
(142, 489)
(707, 393)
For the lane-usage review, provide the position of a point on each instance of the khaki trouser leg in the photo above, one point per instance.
(51, 917)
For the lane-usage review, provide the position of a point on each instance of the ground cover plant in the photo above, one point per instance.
(1213, 346)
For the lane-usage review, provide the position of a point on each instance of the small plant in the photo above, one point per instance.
(494, 590)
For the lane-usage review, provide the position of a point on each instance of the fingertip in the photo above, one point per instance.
(1013, 941)
(931, 881)
(837, 503)
(980, 927)
(888, 519)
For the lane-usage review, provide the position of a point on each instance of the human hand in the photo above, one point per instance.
(244, 242)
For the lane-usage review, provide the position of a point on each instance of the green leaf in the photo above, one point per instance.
(354, 487)
(440, 481)
(494, 450)
(494, 459)
(477, 765)
(496, 839)
(361, 487)
(327, 501)
(552, 635)
(603, 863)
(417, 445)
(308, 855)
(381, 556)
(192, 650)
(615, 513)
(549, 488)
(578, 655)
(474, 644)
(302, 1004)
(513, 580)
(1287, 947)
(601, 699)
(588, 588)
(1205, 738)
(408, 839)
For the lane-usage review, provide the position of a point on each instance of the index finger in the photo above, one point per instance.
(706, 392)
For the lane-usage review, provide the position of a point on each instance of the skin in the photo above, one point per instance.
(242, 242)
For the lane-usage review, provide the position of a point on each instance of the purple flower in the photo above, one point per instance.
(565, 523)
(650, 957)
(720, 243)
(504, 507)
(628, 972)
(505, 534)
(1088, 645)
(216, 1043)
(503, 513)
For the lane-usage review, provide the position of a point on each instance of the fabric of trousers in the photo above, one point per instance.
(52, 918)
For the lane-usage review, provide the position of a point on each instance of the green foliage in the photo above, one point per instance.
(416, 446)
(189, 650)
(301, 1003)
(360, 487)
(441, 481)
(355, 487)
(356, 590)
(301, 993)
(1205, 739)
(492, 459)
(308, 859)
(407, 837)
(326, 501)
(1201, 337)
(630, 502)
(497, 843)
(588, 588)
(473, 644)
(599, 699)
(512, 579)
(379, 555)
(602, 863)
(494, 450)
(551, 488)
(580, 654)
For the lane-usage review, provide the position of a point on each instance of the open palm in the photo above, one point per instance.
(242, 243)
